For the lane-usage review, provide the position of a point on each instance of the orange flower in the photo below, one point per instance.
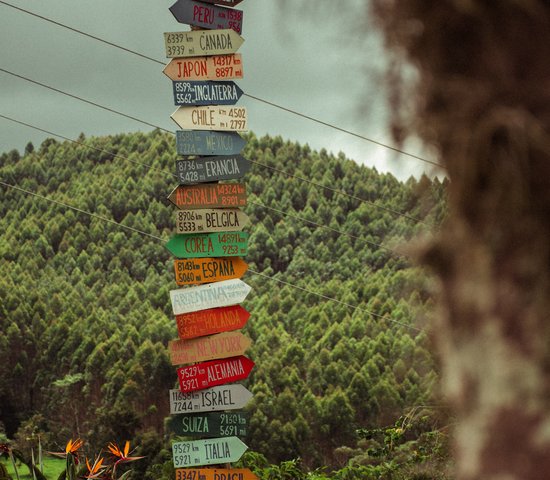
(73, 447)
(70, 449)
(122, 455)
(95, 470)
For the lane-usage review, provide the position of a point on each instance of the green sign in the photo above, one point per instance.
(215, 424)
(219, 244)
(207, 452)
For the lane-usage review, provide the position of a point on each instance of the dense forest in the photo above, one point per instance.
(85, 313)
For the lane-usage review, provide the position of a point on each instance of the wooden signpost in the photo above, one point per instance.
(196, 271)
(202, 42)
(222, 244)
(207, 452)
(209, 425)
(209, 195)
(211, 169)
(215, 474)
(209, 241)
(217, 67)
(187, 93)
(223, 397)
(212, 117)
(207, 16)
(197, 142)
(211, 220)
(212, 320)
(215, 372)
(212, 295)
(221, 345)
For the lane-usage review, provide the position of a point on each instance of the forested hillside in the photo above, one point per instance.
(85, 312)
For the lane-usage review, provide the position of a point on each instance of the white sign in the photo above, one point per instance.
(222, 397)
(213, 295)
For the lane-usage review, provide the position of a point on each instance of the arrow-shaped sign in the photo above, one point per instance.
(211, 169)
(223, 397)
(219, 244)
(213, 320)
(207, 16)
(212, 117)
(207, 452)
(201, 42)
(215, 372)
(217, 67)
(214, 195)
(202, 142)
(212, 295)
(209, 425)
(188, 93)
(195, 271)
(221, 345)
(211, 220)
(215, 473)
(227, 3)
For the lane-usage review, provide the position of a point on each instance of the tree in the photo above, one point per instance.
(481, 100)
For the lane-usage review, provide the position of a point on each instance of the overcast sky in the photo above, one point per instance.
(315, 64)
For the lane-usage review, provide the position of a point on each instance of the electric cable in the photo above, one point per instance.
(320, 295)
(258, 99)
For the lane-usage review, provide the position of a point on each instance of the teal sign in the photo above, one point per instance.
(207, 452)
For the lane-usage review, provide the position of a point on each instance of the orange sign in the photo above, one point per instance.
(194, 271)
(222, 345)
(216, 67)
(209, 195)
(211, 320)
(215, 474)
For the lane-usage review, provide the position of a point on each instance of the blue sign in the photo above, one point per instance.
(188, 93)
(202, 142)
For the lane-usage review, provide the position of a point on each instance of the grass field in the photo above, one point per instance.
(52, 468)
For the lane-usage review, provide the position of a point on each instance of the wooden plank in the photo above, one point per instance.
(221, 345)
(199, 43)
(212, 320)
(211, 169)
(207, 452)
(208, 142)
(211, 17)
(218, 244)
(208, 220)
(213, 373)
(196, 93)
(222, 397)
(195, 271)
(209, 195)
(212, 117)
(215, 474)
(208, 425)
(212, 295)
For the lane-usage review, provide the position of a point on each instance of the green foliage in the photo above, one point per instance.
(86, 315)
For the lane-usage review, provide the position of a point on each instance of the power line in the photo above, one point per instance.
(105, 219)
(112, 110)
(395, 212)
(267, 102)
(341, 192)
(166, 172)
(325, 297)
(22, 77)
(102, 150)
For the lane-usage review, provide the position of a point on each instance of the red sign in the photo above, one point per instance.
(216, 372)
(210, 321)
(209, 195)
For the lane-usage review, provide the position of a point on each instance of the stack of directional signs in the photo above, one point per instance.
(209, 242)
